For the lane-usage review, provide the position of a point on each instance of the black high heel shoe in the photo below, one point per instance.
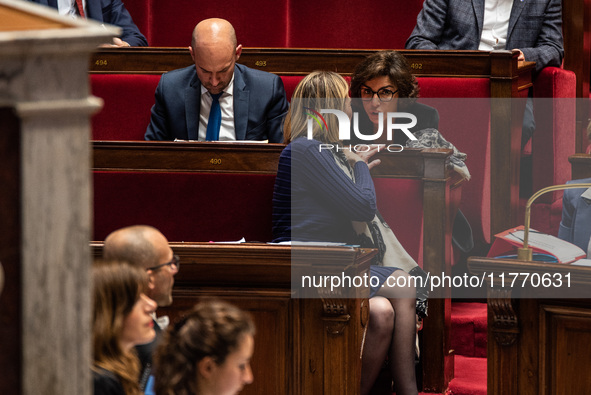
(422, 290)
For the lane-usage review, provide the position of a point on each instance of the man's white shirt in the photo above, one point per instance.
(495, 24)
(227, 129)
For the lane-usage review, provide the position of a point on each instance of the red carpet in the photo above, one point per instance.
(468, 328)
(468, 339)
(470, 376)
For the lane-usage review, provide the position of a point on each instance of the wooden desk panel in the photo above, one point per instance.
(538, 342)
(300, 61)
(580, 166)
(237, 158)
(186, 156)
(576, 16)
(302, 346)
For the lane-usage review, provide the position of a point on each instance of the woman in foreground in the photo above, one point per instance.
(121, 320)
(206, 353)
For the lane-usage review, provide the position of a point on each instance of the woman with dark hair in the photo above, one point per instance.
(121, 320)
(325, 193)
(382, 83)
(206, 353)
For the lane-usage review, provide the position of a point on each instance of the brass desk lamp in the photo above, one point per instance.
(525, 253)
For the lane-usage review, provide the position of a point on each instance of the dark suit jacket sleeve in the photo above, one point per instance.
(565, 231)
(115, 13)
(430, 24)
(278, 107)
(158, 128)
(575, 225)
(548, 48)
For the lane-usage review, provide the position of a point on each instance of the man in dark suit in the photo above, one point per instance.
(251, 104)
(534, 27)
(107, 11)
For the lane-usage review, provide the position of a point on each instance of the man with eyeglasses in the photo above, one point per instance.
(146, 247)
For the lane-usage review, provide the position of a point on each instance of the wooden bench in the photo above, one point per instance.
(126, 174)
(539, 337)
(492, 200)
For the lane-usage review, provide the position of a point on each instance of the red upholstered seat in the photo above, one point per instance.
(350, 24)
(464, 120)
(553, 142)
(224, 207)
(302, 23)
(554, 138)
(465, 123)
(257, 24)
(290, 83)
(400, 201)
(128, 99)
(185, 206)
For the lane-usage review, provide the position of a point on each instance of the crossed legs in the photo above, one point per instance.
(391, 331)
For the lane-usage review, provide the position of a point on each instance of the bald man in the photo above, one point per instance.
(145, 247)
(252, 102)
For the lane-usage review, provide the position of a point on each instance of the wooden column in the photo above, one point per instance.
(45, 199)
(505, 141)
(438, 363)
(576, 28)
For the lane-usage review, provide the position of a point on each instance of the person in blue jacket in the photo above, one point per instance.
(250, 104)
(575, 226)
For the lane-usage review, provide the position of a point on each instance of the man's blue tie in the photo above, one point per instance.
(215, 119)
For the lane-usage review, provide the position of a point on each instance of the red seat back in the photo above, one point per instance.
(464, 120)
(128, 99)
(185, 206)
(400, 202)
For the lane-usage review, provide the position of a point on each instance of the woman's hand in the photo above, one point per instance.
(365, 156)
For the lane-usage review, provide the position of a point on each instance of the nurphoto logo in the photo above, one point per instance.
(392, 123)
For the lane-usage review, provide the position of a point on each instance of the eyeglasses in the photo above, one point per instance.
(175, 264)
(384, 94)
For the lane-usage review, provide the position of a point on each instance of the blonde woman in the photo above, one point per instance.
(121, 320)
(321, 192)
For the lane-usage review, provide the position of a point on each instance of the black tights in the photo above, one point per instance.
(391, 331)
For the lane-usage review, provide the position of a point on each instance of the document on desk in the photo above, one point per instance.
(582, 262)
(242, 240)
(564, 251)
(224, 141)
(313, 244)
